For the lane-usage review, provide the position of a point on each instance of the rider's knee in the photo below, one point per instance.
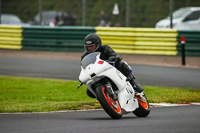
(125, 68)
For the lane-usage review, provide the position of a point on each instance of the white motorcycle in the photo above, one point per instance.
(111, 88)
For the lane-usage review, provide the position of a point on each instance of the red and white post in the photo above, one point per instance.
(183, 50)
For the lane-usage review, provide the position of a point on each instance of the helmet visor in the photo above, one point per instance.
(91, 48)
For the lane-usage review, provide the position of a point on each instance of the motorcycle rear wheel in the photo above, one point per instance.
(143, 110)
(112, 108)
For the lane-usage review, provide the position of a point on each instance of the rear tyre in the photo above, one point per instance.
(143, 110)
(111, 107)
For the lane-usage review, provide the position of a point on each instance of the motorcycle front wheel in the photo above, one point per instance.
(143, 110)
(111, 107)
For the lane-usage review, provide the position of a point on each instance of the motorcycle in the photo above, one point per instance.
(111, 88)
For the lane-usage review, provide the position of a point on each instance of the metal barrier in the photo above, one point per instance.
(140, 40)
(10, 37)
(192, 42)
(57, 39)
(122, 40)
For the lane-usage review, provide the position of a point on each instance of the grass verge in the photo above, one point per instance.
(19, 94)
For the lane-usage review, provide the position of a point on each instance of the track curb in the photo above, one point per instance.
(151, 104)
(171, 104)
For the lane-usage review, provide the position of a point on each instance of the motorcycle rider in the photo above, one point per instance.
(92, 43)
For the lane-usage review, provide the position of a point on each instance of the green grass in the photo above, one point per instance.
(19, 94)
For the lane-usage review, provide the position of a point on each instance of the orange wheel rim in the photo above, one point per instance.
(114, 104)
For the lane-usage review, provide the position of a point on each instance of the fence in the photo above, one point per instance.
(122, 40)
(132, 13)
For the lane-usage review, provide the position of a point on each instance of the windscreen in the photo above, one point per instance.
(179, 13)
(89, 59)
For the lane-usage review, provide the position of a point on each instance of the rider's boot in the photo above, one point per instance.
(127, 71)
(135, 85)
(139, 94)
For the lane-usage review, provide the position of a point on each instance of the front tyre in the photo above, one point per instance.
(111, 107)
(143, 110)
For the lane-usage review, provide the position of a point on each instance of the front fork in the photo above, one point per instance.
(111, 91)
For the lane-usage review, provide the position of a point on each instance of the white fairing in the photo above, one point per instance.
(103, 69)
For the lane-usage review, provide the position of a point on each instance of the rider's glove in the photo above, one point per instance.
(116, 58)
(112, 59)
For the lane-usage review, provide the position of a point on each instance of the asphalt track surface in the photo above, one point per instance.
(161, 120)
(70, 69)
(184, 119)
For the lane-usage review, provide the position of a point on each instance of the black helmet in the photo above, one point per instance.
(92, 40)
